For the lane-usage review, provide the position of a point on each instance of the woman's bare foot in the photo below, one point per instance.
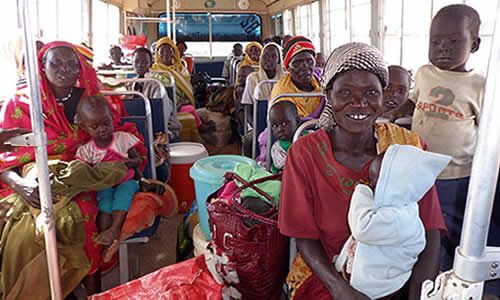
(110, 251)
(108, 236)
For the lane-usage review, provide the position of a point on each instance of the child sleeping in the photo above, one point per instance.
(387, 234)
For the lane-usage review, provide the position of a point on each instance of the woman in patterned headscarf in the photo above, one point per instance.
(323, 168)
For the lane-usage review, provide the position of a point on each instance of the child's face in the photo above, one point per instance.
(451, 42)
(141, 62)
(374, 170)
(116, 54)
(283, 123)
(396, 93)
(320, 60)
(98, 125)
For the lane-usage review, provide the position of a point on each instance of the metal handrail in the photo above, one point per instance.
(114, 72)
(163, 93)
(484, 174)
(271, 103)
(28, 17)
(303, 127)
(474, 261)
(255, 107)
(149, 121)
(233, 69)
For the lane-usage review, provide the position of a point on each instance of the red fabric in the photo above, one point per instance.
(297, 48)
(62, 136)
(188, 280)
(314, 286)
(317, 190)
(145, 208)
(188, 108)
(131, 42)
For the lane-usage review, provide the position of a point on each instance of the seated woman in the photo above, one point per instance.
(270, 68)
(66, 77)
(142, 60)
(167, 58)
(322, 170)
(252, 54)
(300, 61)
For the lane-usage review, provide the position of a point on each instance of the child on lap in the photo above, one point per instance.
(94, 116)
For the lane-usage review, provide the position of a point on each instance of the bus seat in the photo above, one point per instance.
(213, 68)
(135, 107)
(140, 122)
(260, 125)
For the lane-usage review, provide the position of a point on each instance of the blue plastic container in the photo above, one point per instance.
(208, 175)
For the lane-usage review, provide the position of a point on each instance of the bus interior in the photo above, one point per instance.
(198, 124)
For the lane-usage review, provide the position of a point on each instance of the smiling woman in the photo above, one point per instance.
(322, 169)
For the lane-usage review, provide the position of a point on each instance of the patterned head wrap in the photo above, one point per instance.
(355, 56)
(86, 52)
(351, 56)
(295, 46)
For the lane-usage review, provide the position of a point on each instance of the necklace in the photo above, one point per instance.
(64, 99)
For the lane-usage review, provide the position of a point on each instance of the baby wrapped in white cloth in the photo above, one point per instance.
(387, 234)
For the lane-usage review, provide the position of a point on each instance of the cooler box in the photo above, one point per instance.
(208, 175)
(182, 158)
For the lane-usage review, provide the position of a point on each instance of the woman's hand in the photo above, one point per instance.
(6, 134)
(347, 292)
(28, 190)
(315, 257)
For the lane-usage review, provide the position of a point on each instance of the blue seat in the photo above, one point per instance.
(140, 123)
(261, 116)
(135, 108)
(213, 69)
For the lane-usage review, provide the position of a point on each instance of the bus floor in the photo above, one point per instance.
(159, 252)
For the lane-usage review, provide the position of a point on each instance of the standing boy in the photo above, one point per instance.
(448, 100)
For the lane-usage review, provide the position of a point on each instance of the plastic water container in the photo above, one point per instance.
(182, 158)
(208, 175)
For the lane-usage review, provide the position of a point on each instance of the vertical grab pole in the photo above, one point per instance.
(174, 34)
(486, 161)
(169, 32)
(26, 14)
(210, 33)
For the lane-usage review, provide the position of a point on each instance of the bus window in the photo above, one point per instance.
(227, 29)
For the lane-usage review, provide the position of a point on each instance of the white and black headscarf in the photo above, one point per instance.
(351, 56)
